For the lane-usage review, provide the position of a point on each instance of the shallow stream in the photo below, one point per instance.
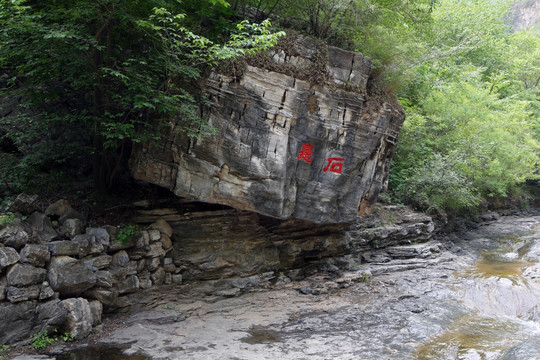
(502, 298)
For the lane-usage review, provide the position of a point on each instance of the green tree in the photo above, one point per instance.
(98, 75)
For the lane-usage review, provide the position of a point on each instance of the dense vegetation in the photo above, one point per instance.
(106, 73)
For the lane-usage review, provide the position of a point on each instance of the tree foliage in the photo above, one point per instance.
(99, 75)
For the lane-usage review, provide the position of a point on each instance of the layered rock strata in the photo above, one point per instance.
(300, 135)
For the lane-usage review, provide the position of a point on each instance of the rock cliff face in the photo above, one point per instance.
(299, 135)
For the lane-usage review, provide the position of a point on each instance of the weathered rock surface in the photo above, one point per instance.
(79, 317)
(228, 243)
(8, 256)
(37, 255)
(70, 276)
(285, 147)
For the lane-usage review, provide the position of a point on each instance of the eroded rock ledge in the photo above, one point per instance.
(306, 139)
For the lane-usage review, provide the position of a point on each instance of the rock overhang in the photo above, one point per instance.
(285, 146)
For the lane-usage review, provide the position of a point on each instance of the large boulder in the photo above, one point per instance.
(300, 138)
(21, 320)
(70, 276)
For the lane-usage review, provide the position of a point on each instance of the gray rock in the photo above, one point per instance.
(153, 263)
(64, 248)
(130, 285)
(50, 315)
(79, 317)
(166, 241)
(62, 210)
(14, 236)
(97, 310)
(24, 204)
(37, 255)
(163, 227)
(72, 227)
(145, 282)
(42, 228)
(121, 258)
(17, 321)
(258, 159)
(108, 297)
(168, 279)
(18, 294)
(155, 250)
(88, 245)
(8, 256)
(158, 276)
(46, 291)
(99, 262)
(177, 279)
(69, 276)
(154, 235)
(101, 234)
(131, 268)
(104, 279)
(58, 208)
(25, 274)
(143, 240)
(3, 285)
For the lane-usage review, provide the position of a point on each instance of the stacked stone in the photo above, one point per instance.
(64, 278)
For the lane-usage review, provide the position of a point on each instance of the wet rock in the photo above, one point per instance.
(68, 276)
(72, 227)
(64, 248)
(163, 227)
(101, 234)
(14, 236)
(157, 317)
(79, 317)
(88, 245)
(8, 256)
(18, 294)
(37, 255)
(25, 274)
(42, 228)
(24, 204)
(121, 258)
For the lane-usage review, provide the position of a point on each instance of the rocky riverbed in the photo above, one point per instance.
(467, 296)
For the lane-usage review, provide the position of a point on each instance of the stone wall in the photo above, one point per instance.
(56, 273)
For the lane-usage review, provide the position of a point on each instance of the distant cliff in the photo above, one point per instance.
(301, 133)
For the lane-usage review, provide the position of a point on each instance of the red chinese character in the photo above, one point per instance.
(305, 153)
(334, 165)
